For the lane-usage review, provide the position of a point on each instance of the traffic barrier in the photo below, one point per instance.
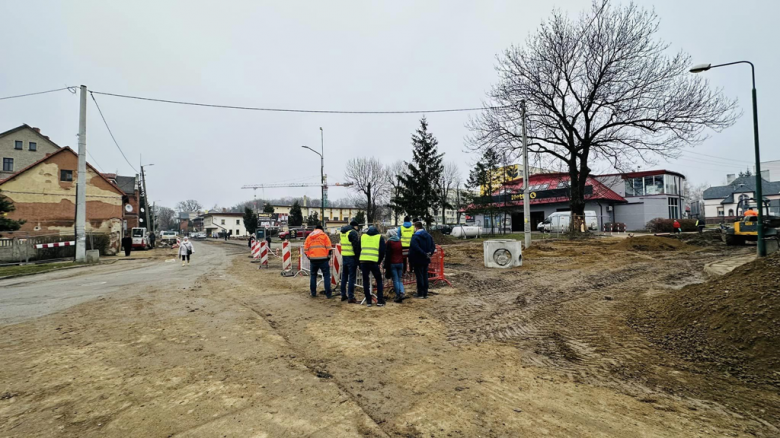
(263, 253)
(55, 244)
(255, 250)
(304, 266)
(436, 268)
(286, 258)
(335, 266)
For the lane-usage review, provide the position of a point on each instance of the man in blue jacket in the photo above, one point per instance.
(421, 249)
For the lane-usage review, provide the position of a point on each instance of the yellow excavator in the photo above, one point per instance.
(746, 228)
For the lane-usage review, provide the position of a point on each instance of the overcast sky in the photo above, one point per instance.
(392, 55)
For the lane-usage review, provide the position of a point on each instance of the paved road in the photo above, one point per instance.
(38, 295)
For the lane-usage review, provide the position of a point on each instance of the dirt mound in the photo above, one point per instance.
(650, 243)
(442, 239)
(709, 238)
(730, 323)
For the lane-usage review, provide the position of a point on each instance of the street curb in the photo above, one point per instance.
(46, 272)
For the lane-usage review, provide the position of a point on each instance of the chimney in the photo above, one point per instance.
(224, 210)
(38, 130)
(730, 178)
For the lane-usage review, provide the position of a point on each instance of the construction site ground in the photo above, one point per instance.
(589, 337)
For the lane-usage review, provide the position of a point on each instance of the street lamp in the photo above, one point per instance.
(322, 176)
(759, 189)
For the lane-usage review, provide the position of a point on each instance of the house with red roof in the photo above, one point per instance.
(632, 198)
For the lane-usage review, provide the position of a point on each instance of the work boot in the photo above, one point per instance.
(399, 299)
(382, 304)
(352, 301)
(343, 298)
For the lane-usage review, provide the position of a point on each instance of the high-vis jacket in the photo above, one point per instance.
(317, 246)
(369, 251)
(406, 235)
(346, 245)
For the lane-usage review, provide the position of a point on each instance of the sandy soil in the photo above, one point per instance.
(542, 350)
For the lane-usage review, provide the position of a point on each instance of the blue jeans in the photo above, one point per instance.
(397, 269)
(421, 273)
(348, 276)
(324, 267)
(372, 268)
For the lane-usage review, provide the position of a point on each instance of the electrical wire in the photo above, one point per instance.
(730, 160)
(71, 89)
(100, 168)
(111, 133)
(291, 110)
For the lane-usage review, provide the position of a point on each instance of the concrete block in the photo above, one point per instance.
(93, 256)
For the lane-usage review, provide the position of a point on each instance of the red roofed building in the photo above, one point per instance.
(631, 198)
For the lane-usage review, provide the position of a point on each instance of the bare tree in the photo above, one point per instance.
(599, 88)
(164, 217)
(368, 177)
(450, 178)
(189, 205)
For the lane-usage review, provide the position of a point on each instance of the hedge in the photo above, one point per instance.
(659, 225)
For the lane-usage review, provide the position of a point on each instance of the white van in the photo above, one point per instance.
(560, 221)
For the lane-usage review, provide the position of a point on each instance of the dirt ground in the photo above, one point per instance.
(553, 348)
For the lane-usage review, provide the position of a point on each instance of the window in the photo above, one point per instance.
(335, 218)
(731, 212)
(18, 144)
(66, 175)
(674, 208)
(223, 222)
(238, 221)
(8, 164)
(33, 146)
(720, 211)
(238, 233)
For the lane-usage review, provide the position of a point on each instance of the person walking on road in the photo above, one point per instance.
(372, 252)
(405, 232)
(127, 244)
(421, 249)
(317, 249)
(394, 263)
(186, 250)
(350, 251)
(676, 226)
(152, 238)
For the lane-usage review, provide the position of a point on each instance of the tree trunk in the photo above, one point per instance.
(369, 207)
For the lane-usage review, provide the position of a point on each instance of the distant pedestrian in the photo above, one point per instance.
(676, 226)
(186, 250)
(394, 263)
(251, 241)
(317, 249)
(152, 239)
(699, 226)
(372, 253)
(268, 240)
(127, 244)
(421, 249)
(350, 253)
(226, 236)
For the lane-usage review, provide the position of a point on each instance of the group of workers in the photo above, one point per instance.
(407, 247)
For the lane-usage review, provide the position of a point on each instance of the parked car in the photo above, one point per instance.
(444, 228)
(199, 235)
(295, 234)
(559, 222)
(168, 236)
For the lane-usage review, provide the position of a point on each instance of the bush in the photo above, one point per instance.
(659, 225)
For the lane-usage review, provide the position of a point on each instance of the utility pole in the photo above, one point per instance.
(81, 183)
(526, 200)
(322, 174)
(149, 226)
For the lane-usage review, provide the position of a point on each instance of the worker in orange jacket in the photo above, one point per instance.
(317, 248)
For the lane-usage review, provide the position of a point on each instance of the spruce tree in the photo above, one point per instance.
(250, 221)
(481, 178)
(296, 215)
(7, 206)
(360, 217)
(419, 195)
(268, 208)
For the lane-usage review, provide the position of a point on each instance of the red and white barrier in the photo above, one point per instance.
(286, 257)
(264, 253)
(55, 244)
(256, 250)
(335, 266)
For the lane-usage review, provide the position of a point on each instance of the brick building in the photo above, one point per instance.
(44, 194)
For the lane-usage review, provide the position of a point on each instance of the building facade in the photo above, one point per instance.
(722, 203)
(633, 199)
(22, 146)
(44, 194)
(231, 223)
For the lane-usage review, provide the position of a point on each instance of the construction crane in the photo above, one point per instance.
(287, 185)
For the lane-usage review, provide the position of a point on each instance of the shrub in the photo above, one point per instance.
(659, 225)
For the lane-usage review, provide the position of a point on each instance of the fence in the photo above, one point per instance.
(20, 247)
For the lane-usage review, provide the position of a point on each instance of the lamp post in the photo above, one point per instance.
(759, 189)
(322, 176)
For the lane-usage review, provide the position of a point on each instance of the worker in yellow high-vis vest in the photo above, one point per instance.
(405, 232)
(350, 251)
(372, 252)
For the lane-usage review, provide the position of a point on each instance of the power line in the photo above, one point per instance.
(71, 89)
(111, 133)
(731, 160)
(290, 110)
(95, 161)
